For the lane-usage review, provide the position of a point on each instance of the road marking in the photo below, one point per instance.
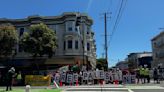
(97, 88)
(144, 87)
(130, 90)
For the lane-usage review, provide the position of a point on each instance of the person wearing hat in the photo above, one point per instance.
(9, 77)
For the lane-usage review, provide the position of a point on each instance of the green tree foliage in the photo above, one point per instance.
(8, 39)
(40, 40)
(101, 64)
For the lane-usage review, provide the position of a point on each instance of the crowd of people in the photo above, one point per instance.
(144, 74)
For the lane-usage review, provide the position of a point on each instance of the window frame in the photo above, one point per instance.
(76, 44)
(69, 44)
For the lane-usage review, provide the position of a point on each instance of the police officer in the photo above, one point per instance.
(146, 74)
(141, 73)
(19, 79)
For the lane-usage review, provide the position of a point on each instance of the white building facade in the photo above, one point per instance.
(70, 40)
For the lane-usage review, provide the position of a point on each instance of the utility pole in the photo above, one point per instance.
(105, 38)
(106, 45)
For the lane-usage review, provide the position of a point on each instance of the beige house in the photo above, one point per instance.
(70, 39)
(158, 50)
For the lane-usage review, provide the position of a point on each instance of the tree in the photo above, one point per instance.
(101, 64)
(39, 40)
(8, 40)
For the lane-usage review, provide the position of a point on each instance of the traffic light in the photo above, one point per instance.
(78, 20)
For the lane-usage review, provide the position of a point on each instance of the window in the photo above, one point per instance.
(76, 44)
(21, 32)
(69, 28)
(69, 44)
(64, 45)
(88, 47)
(87, 32)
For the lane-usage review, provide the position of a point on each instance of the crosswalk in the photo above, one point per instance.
(109, 88)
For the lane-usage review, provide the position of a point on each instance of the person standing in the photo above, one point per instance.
(120, 76)
(138, 75)
(9, 77)
(19, 78)
(155, 75)
(141, 71)
(146, 74)
(160, 73)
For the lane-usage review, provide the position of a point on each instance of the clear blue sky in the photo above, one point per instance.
(139, 23)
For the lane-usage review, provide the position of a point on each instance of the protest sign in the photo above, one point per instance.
(75, 77)
(85, 75)
(69, 78)
(115, 76)
(120, 75)
(107, 76)
(63, 77)
(128, 79)
(133, 78)
(57, 77)
(100, 74)
(90, 76)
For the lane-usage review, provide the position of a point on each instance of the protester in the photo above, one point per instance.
(9, 77)
(80, 78)
(120, 76)
(138, 75)
(160, 73)
(155, 75)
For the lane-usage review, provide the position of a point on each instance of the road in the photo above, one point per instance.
(115, 88)
(105, 88)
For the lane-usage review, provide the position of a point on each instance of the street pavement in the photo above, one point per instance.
(151, 87)
(116, 88)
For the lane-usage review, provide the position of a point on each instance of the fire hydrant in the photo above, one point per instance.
(27, 89)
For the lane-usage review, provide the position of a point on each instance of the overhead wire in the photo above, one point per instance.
(118, 18)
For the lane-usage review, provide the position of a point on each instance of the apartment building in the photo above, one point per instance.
(74, 44)
(158, 50)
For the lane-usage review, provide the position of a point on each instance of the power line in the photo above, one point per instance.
(118, 18)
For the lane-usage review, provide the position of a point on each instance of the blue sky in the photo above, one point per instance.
(139, 23)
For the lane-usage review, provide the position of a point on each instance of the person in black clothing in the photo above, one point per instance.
(9, 77)
(160, 73)
(155, 75)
